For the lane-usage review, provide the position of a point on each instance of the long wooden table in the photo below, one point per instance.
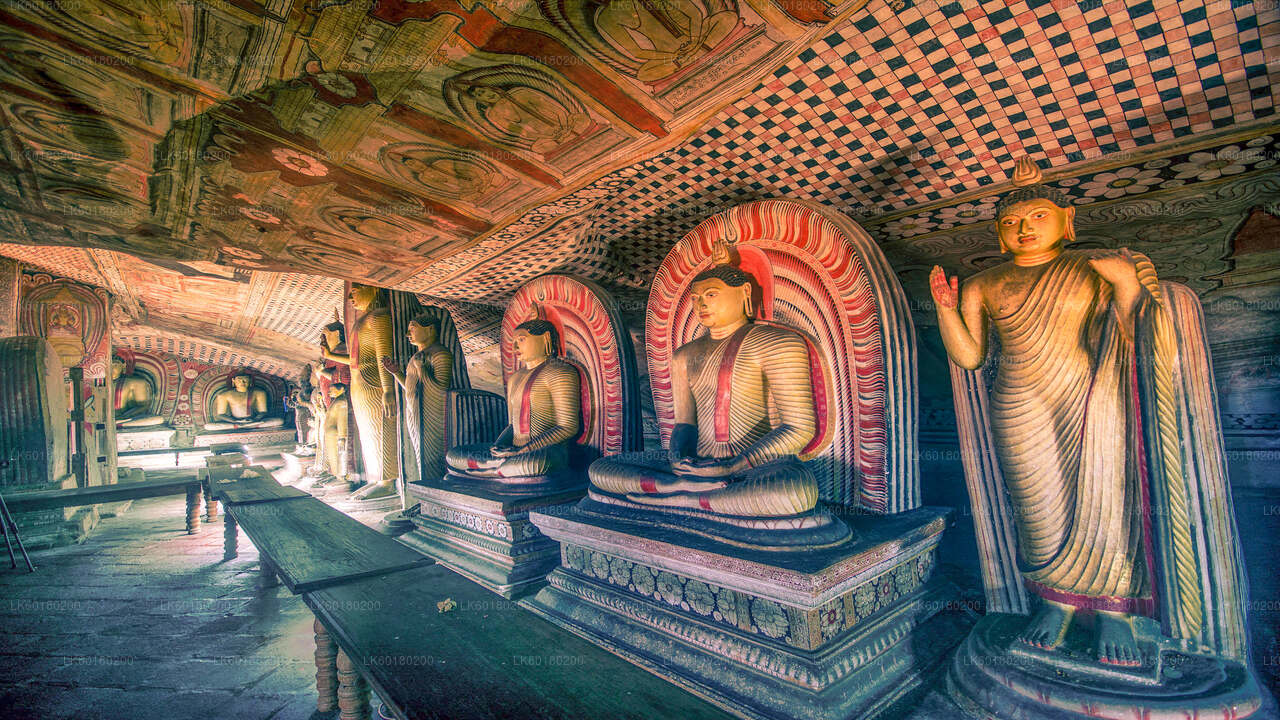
(306, 543)
(487, 658)
(118, 492)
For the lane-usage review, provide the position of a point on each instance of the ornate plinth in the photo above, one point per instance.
(994, 675)
(252, 437)
(484, 533)
(145, 439)
(844, 632)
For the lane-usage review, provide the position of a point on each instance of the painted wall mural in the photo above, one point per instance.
(73, 317)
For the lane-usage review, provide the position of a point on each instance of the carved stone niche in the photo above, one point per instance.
(479, 526)
(834, 612)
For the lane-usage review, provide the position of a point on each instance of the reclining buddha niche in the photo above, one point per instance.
(544, 405)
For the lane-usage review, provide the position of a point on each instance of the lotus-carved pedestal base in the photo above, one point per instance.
(996, 675)
(482, 529)
(847, 631)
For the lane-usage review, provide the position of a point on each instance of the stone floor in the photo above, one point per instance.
(144, 621)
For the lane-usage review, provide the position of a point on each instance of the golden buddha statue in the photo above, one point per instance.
(544, 403)
(1062, 411)
(372, 390)
(336, 437)
(133, 398)
(241, 406)
(744, 411)
(424, 381)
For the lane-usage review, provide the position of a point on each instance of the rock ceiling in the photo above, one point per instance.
(254, 154)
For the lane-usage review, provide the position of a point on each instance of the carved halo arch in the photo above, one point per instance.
(820, 273)
(594, 338)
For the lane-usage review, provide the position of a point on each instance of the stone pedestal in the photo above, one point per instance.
(145, 439)
(995, 675)
(850, 631)
(484, 533)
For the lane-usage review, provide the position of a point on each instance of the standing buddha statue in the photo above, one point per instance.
(426, 378)
(1063, 411)
(372, 390)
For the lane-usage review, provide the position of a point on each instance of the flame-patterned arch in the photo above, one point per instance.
(820, 273)
(593, 337)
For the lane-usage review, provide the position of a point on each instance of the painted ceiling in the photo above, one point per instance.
(255, 154)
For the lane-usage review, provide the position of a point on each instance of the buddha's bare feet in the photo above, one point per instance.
(680, 499)
(1116, 644)
(374, 491)
(1049, 626)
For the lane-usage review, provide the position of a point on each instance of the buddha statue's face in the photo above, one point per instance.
(421, 335)
(362, 296)
(117, 369)
(717, 304)
(1033, 226)
(241, 383)
(531, 348)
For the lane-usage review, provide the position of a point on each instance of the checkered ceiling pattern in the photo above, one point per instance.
(899, 109)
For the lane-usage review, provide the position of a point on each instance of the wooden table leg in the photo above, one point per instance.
(353, 691)
(193, 509)
(210, 505)
(326, 670)
(267, 576)
(228, 537)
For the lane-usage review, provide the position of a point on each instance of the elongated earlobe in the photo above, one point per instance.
(1071, 224)
(747, 305)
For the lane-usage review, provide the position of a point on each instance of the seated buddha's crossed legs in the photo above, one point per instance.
(777, 489)
(479, 461)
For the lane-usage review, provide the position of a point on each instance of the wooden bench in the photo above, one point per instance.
(119, 492)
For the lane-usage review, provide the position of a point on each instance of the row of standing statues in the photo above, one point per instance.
(778, 530)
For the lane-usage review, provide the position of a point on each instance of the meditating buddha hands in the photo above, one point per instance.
(544, 406)
(1061, 410)
(744, 411)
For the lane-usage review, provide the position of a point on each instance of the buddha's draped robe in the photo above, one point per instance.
(1067, 433)
(544, 406)
(376, 432)
(427, 377)
(753, 397)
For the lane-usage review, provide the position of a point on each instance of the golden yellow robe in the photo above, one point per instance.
(376, 430)
(426, 379)
(1067, 432)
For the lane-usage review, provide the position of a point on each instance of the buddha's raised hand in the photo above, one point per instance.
(946, 293)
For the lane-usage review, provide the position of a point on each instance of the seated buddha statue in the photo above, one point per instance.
(544, 404)
(241, 406)
(744, 411)
(133, 398)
